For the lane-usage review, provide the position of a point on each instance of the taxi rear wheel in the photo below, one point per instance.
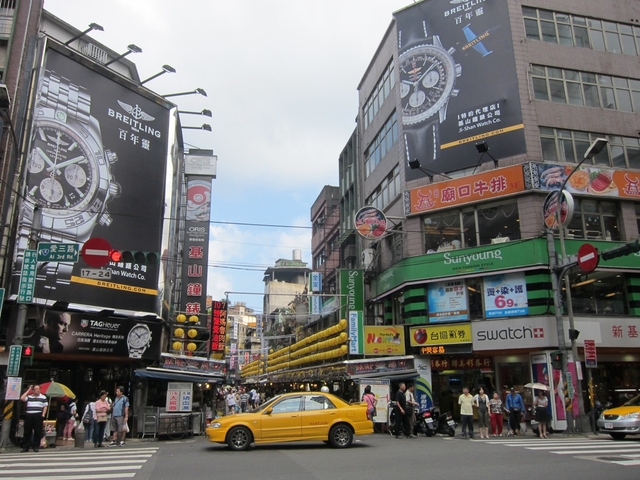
(239, 438)
(340, 436)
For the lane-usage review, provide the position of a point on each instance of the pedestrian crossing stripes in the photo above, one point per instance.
(611, 451)
(75, 465)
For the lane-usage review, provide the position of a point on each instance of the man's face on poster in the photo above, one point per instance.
(59, 326)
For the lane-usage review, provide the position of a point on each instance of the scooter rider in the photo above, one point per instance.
(515, 406)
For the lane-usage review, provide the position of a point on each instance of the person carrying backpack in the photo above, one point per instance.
(87, 419)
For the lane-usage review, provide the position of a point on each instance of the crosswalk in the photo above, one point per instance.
(604, 450)
(104, 463)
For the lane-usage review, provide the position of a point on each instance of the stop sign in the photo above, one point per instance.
(95, 252)
(588, 258)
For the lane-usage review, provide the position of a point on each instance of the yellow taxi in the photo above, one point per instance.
(291, 417)
(621, 421)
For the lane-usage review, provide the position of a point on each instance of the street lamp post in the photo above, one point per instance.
(559, 268)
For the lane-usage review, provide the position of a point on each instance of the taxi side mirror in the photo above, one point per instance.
(267, 411)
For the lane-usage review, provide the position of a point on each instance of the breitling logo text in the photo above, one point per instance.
(133, 123)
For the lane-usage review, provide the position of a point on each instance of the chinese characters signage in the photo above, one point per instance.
(505, 295)
(192, 364)
(364, 367)
(195, 254)
(440, 335)
(27, 277)
(474, 188)
(448, 301)
(179, 396)
(384, 340)
(218, 325)
(461, 363)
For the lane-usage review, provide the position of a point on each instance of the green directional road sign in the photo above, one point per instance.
(28, 276)
(15, 354)
(58, 252)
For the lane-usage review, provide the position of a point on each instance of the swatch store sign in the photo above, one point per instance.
(528, 332)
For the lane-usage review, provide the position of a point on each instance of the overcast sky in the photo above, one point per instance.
(281, 78)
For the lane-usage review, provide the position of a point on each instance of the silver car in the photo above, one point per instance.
(621, 421)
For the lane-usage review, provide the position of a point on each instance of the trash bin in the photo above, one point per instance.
(79, 440)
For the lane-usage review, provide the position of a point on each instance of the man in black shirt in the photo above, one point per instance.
(401, 409)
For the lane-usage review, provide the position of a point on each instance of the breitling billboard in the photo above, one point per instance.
(97, 166)
(458, 83)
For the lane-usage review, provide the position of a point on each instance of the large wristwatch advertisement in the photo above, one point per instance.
(97, 167)
(457, 84)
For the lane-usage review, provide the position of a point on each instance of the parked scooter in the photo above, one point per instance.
(430, 422)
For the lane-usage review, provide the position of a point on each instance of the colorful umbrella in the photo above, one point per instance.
(56, 390)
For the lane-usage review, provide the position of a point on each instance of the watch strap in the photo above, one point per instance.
(412, 34)
(60, 94)
(423, 143)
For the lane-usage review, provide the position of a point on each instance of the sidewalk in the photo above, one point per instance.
(66, 445)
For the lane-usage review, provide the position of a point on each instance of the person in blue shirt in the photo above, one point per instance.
(515, 406)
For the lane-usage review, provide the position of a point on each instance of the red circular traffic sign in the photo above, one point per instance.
(95, 252)
(588, 258)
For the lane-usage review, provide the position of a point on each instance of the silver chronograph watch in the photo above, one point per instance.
(138, 340)
(428, 74)
(69, 170)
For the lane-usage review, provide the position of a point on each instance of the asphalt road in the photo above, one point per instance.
(371, 457)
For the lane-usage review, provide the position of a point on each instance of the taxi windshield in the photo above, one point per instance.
(634, 402)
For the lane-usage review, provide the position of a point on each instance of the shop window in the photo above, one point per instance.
(597, 293)
(594, 220)
(484, 225)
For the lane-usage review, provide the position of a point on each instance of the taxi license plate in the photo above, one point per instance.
(451, 422)
(429, 420)
(608, 426)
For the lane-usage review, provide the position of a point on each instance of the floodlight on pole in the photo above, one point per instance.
(415, 165)
(165, 69)
(92, 26)
(130, 49)
(197, 91)
(204, 126)
(204, 113)
(482, 148)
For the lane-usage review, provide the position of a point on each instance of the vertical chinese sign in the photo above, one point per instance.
(218, 326)
(200, 169)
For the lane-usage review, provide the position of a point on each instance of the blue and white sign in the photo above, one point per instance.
(316, 304)
(316, 282)
(505, 295)
(448, 301)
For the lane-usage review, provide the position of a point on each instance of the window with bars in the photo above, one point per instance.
(572, 87)
(381, 144)
(560, 145)
(387, 191)
(579, 31)
(381, 91)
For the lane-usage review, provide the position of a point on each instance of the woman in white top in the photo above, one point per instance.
(541, 402)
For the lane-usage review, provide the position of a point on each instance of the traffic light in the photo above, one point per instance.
(134, 256)
(556, 360)
(621, 251)
(27, 355)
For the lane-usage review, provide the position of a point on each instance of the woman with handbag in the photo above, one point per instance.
(371, 401)
(100, 415)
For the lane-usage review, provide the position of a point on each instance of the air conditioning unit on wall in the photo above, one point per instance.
(367, 258)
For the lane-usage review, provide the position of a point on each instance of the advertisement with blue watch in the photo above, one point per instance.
(97, 167)
(458, 84)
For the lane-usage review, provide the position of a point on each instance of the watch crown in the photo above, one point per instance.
(111, 156)
(114, 189)
(105, 219)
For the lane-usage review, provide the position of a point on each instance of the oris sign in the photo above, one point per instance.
(538, 332)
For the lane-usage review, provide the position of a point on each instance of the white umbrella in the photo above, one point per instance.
(537, 386)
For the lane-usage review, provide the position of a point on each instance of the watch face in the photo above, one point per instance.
(62, 171)
(427, 76)
(139, 336)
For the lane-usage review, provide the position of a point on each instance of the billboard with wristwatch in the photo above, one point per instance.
(458, 83)
(97, 166)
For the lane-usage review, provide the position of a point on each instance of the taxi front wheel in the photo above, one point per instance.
(239, 438)
(340, 436)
